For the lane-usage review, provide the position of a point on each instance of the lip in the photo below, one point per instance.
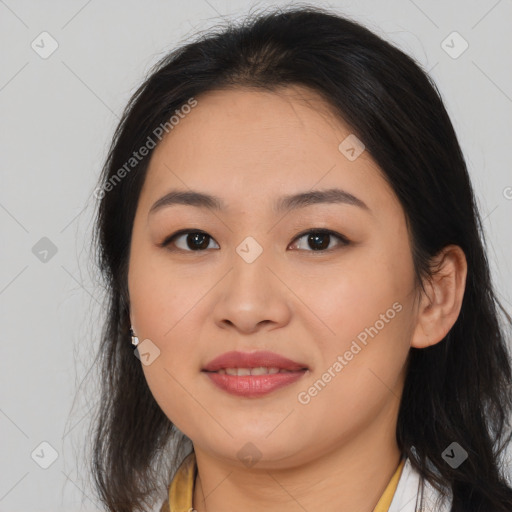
(253, 385)
(235, 359)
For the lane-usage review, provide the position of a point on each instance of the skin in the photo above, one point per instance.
(249, 147)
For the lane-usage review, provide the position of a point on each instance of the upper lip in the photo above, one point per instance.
(265, 359)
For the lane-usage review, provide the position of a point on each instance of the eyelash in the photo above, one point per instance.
(344, 240)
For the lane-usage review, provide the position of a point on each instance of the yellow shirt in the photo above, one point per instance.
(181, 490)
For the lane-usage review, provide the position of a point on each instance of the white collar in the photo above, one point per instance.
(408, 495)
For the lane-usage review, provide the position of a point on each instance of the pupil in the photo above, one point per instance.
(319, 236)
(203, 241)
(196, 237)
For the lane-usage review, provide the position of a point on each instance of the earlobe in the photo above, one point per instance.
(440, 306)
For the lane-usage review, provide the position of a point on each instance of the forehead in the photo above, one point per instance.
(235, 123)
(249, 144)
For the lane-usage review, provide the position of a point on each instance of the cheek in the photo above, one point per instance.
(369, 328)
(352, 297)
(165, 303)
(360, 368)
(367, 309)
(160, 293)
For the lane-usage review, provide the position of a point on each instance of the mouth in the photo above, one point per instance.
(261, 362)
(259, 370)
(253, 374)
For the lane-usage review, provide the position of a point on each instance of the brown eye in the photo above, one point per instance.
(319, 240)
(194, 241)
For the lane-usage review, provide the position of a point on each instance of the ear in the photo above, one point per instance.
(440, 306)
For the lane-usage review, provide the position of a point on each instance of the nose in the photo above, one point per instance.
(251, 296)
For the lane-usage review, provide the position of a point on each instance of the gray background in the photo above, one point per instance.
(58, 116)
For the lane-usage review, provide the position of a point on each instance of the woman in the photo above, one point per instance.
(290, 240)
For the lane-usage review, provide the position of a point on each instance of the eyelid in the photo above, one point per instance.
(324, 231)
(167, 240)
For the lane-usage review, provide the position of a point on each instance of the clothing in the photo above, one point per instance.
(414, 495)
(401, 494)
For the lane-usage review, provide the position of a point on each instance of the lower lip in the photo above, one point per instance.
(254, 385)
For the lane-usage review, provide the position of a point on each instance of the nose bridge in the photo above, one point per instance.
(250, 300)
(250, 250)
(253, 245)
(252, 296)
(249, 266)
(250, 284)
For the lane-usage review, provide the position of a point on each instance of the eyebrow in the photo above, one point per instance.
(283, 203)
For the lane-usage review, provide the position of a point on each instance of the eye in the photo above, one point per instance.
(195, 241)
(319, 239)
(198, 241)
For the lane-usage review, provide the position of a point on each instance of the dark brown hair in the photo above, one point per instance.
(457, 390)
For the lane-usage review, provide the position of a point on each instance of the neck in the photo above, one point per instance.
(351, 476)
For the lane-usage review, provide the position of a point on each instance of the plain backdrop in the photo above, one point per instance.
(58, 113)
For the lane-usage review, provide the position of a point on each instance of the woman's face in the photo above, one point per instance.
(259, 277)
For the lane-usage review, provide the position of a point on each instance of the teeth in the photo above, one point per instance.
(238, 371)
(261, 370)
